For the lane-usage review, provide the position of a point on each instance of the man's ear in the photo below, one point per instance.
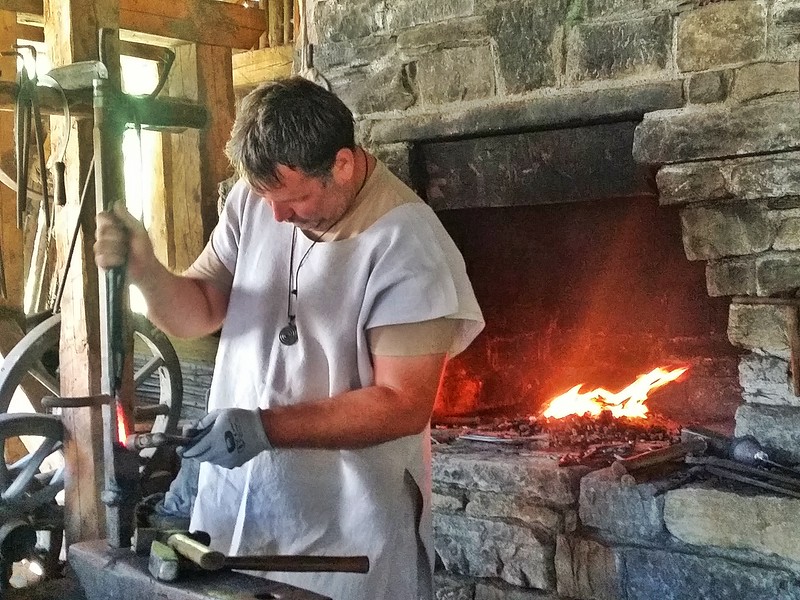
(344, 166)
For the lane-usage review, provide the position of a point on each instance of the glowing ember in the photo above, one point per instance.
(629, 402)
(122, 430)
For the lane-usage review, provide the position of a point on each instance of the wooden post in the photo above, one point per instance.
(275, 18)
(194, 161)
(11, 240)
(71, 31)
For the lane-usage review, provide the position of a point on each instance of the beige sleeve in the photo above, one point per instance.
(413, 339)
(209, 267)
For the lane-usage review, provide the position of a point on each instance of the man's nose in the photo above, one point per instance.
(281, 213)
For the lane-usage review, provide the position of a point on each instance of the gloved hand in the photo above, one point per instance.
(228, 437)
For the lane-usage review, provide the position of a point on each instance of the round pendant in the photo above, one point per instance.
(288, 335)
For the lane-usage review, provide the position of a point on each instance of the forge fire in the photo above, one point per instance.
(591, 427)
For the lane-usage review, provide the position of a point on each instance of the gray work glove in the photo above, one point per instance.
(228, 437)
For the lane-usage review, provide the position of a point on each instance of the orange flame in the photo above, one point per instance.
(122, 429)
(629, 402)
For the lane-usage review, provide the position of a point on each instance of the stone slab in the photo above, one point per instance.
(758, 327)
(628, 103)
(720, 34)
(727, 230)
(703, 132)
(528, 37)
(587, 569)
(510, 506)
(777, 428)
(765, 379)
(516, 554)
(630, 512)
(713, 517)
(546, 167)
(666, 575)
(535, 475)
(614, 50)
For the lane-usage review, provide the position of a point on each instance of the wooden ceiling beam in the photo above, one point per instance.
(177, 21)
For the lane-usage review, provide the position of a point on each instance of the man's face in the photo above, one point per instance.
(313, 203)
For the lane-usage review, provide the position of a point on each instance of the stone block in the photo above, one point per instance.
(691, 182)
(783, 37)
(545, 112)
(707, 87)
(758, 327)
(777, 272)
(721, 34)
(456, 74)
(529, 38)
(732, 277)
(713, 517)
(613, 50)
(507, 506)
(706, 132)
(450, 587)
(603, 8)
(450, 34)
(537, 476)
(484, 548)
(729, 230)
(765, 379)
(350, 54)
(764, 79)
(366, 91)
(788, 236)
(625, 511)
(587, 570)
(409, 13)
(666, 575)
(777, 428)
(346, 21)
(773, 176)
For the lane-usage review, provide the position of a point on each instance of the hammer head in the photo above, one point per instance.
(163, 564)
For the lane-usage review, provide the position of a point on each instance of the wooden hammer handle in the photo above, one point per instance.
(300, 563)
(198, 553)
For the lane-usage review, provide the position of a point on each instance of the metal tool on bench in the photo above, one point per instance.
(744, 449)
(174, 550)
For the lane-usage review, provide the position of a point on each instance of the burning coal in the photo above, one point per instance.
(629, 402)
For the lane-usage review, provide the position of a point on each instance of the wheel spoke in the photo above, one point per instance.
(148, 369)
(26, 475)
(47, 380)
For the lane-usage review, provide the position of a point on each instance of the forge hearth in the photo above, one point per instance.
(582, 276)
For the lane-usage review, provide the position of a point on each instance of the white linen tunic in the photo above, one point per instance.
(402, 269)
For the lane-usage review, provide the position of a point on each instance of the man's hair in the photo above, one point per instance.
(291, 122)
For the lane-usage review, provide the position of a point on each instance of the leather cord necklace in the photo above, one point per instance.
(288, 335)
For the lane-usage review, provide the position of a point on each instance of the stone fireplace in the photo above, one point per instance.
(676, 119)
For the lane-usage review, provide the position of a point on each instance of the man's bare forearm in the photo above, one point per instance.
(399, 404)
(182, 306)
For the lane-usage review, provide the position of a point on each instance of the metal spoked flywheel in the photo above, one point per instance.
(31, 519)
(36, 354)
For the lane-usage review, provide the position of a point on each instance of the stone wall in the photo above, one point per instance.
(715, 85)
(515, 525)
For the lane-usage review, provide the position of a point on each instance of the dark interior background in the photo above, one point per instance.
(590, 292)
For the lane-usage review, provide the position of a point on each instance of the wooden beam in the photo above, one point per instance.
(254, 66)
(199, 21)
